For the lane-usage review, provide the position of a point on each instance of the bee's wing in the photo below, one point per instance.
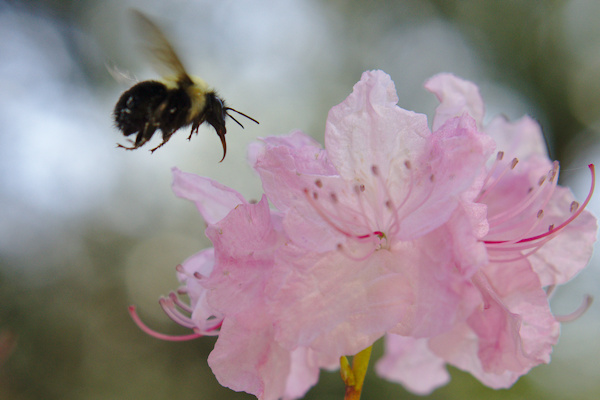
(160, 50)
(124, 78)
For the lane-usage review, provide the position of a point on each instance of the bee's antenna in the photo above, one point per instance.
(236, 121)
(241, 113)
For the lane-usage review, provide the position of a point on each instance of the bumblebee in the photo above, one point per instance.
(173, 102)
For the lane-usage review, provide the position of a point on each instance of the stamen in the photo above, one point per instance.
(182, 291)
(583, 307)
(346, 217)
(323, 214)
(521, 245)
(153, 333)
(578, 211)
(520, 256)
(499, 157)
(485, 190)
(399, 216)
(177, 301)
(169, 308)
(388, 202)
(378, 211)
(505, 216)
(552, 230)
(358, 190)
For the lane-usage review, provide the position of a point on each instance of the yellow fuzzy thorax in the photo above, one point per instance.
(197, 92)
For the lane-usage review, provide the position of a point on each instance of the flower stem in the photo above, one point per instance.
(354, 376)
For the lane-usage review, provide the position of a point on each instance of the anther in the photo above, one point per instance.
(319, 183)
(574, 206)
(555, 168)
(540, 214)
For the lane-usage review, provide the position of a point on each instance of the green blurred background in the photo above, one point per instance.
(87, 229)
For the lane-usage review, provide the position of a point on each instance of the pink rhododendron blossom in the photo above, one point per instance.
(536, 235)
(393, 228)
(369, 205)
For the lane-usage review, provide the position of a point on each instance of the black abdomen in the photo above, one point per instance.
(149, 106)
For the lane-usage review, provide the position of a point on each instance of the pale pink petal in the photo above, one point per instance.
(201, 263)
(512, 332)
(289, 164)
(442, 294)
(456, 97)
(246, 358)
(368, 129)
(213, 200)
(521, 139)
(516, 329)
(467, 226)
(295, 139)
(304, 373)
(338, 305)
(244, 244)
(409, 361)
(456, 153)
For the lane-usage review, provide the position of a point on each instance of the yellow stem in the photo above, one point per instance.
(354, 376)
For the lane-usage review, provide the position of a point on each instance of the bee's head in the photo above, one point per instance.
(216, 112)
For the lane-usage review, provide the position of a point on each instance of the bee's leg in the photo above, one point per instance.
(125, 147)
(159, 146)
(196, 125)
(166, 137)
(138, 142)
(142, 137)
(194, 128)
